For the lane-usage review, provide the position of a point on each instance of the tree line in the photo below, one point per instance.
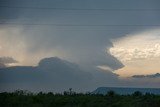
(20, 98)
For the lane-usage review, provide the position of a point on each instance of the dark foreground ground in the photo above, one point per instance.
(72, 99)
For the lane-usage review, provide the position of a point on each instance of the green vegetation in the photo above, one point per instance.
(71, 99)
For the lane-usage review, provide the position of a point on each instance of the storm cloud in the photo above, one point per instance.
(53, 74)
(57, 75)
(79, 31)
(77, 43)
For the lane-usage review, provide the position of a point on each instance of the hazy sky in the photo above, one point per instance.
(119, 36)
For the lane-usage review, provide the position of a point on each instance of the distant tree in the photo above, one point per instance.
(20, 92)
(137, 94)
(70, 91)
(65, 93)
(19, 98)
(111, 93)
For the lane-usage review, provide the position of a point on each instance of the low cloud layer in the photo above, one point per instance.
(157, 75)
(57, 75)
(54, 74)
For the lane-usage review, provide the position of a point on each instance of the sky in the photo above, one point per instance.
(120, 38)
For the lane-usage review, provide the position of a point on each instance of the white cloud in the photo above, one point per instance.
(139, 52)
(105, 67)
(145, 45)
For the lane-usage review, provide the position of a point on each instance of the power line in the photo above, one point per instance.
(91, 9)
(87, 25)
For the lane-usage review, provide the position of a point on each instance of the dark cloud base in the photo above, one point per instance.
(157, 75)
(52, 73)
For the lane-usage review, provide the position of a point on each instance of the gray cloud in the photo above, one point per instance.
(57, 75)
(157, 75)
(84, 45)
(54, 74)
(4, 61)
(2, 65)
(7, 60)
